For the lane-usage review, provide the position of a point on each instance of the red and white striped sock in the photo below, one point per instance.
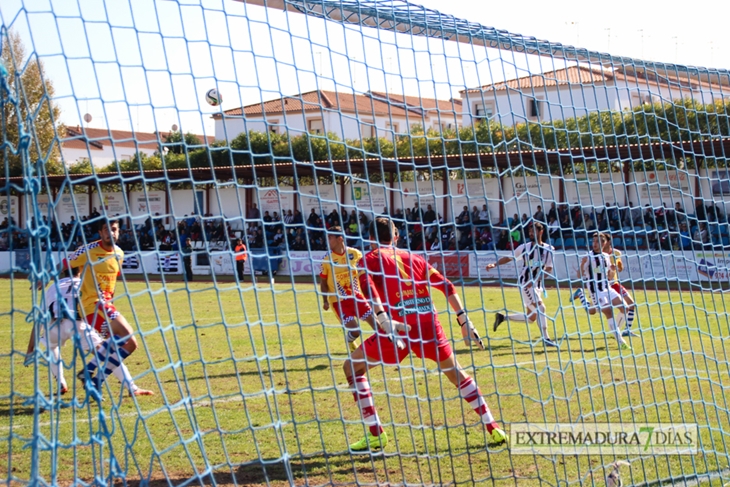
(364, 400)
(471, 394)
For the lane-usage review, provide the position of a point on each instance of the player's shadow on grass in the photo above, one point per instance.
(7, 411)
(257, 473)
(256, 373)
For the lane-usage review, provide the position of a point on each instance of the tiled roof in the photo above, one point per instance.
(95, 139)
(571, 75)
(367, 104)
(595, 76)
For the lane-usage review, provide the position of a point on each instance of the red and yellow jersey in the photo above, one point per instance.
(100, 279)
(616, 260)
(341, 273)
(404, 281)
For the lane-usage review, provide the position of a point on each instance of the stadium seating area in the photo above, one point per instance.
(571, 228)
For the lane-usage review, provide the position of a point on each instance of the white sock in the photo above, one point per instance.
(616, 331)
(542, 321)
(122, 373)
(517, 317)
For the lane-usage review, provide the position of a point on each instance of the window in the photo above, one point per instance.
(272, 126)
(315, 126)
(367, 129)
(483, 110)
(533, 108)
(393, 130)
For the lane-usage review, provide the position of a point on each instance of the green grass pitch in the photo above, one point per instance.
(246, 377)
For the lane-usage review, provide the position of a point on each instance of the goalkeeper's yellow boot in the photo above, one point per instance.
(499, 436)
(371, 442)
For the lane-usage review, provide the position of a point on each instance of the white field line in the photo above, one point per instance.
(394, 379)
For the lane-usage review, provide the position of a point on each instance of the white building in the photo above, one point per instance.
(347, 115)
(104, 146)
(574, 91)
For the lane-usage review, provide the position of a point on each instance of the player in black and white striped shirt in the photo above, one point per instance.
(61, 301)
(598, 272)
(536, 259)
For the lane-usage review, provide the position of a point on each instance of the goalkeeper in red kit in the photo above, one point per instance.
(402, 281)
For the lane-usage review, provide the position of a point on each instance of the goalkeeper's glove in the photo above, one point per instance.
(390, 327)
(467, 330)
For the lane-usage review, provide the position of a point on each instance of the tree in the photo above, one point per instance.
(34, 94)
(176, 142)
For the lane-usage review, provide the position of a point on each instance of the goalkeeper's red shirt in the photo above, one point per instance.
(403, 281)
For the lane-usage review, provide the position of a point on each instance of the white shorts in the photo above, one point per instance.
(59, 333)
(531, 296)
(604, 299)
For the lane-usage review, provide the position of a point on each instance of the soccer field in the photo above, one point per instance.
(246, 378)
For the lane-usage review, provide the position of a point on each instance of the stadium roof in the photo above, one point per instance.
(717, 148)
(95, 139)
(371, 103)
(595, 76)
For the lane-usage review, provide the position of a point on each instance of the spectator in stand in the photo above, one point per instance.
(429, 216)
(525, 219)
(685, 239)
(299, 244)
(577, 217)
(602, 224)
(278, 238)
(554, 228)
(434, 244)
(484, 216)
(701, 237)
(463, 218)
(474, 216)
(416, 213)
(539, 215)
(487, 239)
(267, 217)
(333, 219)
(312, 219)
(502, 241)
(553, 213)
(465, 239)
(288, 218)
(649, 217)
(515, 237)
(679, 213)
(700, 210)
(253, 213)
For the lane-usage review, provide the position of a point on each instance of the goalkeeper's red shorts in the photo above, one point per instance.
(100, 318)
(620, 289)
(379, 348)
(351, 308)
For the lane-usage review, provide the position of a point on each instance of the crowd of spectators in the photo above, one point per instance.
(568, 226)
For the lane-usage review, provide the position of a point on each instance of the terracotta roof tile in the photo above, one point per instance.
(572, 75)
(373, 103)
(95, 138)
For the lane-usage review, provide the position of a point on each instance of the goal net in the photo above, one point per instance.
(227, 139)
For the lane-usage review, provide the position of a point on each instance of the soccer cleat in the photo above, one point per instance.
(624, 346)
(549, 343)
(92, 385)
(498, 436)
(64, 389)
(141, 392)
(498, 320)
(371, 442)
(628, 333)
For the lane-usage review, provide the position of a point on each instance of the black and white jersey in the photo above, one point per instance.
(62, 298)
(533, 259)
(595, 271)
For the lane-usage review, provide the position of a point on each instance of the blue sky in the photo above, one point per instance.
(146, 65)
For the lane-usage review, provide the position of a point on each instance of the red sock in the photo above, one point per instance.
(364, 400)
